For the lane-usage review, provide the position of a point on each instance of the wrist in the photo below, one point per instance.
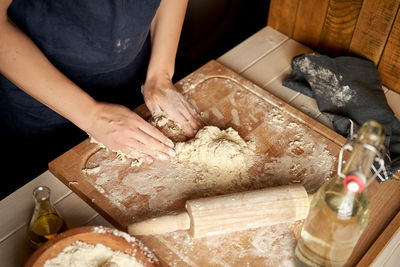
(158, 73)
(159, 80)
(85, 116)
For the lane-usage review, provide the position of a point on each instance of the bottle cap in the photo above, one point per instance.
(354, 183)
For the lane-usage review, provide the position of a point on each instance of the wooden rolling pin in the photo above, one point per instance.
(232, 212)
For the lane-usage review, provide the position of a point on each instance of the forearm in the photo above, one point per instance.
(22, 62)
(165, 33)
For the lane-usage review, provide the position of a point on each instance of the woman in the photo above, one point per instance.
(62, 60)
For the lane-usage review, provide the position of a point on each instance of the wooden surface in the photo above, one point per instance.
(385, 250)
(247, 210)
(273, 125)
(366, 28)
(89, 235)
(252, 53)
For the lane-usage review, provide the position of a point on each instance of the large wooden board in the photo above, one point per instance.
(291, 148)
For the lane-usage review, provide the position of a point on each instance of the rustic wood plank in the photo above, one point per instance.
(341, 19)
(373, 28)
(385, 204)
(374, 254)
(245, 54)
(258, 111)
(393, 100)
(310, 21)
(282, 15)
(306, 104)
(389, 65)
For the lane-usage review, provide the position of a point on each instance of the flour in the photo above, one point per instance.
(135, 157)
(217, 113)
(217, 155)
(105, 230)
(265, 246)
(83, 254)
(286, 152)
(168, 127)
(214, 161)
(235, 117)
(326, 83)
(303, 161)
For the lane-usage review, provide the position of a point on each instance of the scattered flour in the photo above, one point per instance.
(106, 230)
(217, 113)
(235, 117)
(163, 187)
(136, 157)
(168, 127)
(217, 155)
(83, 254)
(325, 83)
(266, 246)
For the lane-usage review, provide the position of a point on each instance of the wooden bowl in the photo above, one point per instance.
(109, 237)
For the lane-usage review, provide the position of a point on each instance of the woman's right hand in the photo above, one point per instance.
(119, 128)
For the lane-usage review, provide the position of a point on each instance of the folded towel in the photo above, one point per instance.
(349, 92)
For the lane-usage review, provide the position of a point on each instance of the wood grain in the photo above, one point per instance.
(389, 66)
(373, 28)
(212, 86)
(381, 242)
(310, 21)
(340, 22)
(384, 205)
(88, 234)
(363, 28)
(282, 15)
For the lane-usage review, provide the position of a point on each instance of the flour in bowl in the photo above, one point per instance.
(83, 254)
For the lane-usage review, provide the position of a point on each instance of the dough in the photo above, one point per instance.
(83, 254)
(217, 155)
(168, 127)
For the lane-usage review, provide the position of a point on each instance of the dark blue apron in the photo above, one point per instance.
(103, 46)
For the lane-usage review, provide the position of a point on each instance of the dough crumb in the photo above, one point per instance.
(83, 254)
(135, 156)
(168, 127)
(216, 155)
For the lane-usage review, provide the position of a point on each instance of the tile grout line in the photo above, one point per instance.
(263, 55)
(5, 237)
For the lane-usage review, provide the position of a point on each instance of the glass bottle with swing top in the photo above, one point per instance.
(339, 210)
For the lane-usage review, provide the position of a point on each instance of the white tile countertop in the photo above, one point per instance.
(264, 59)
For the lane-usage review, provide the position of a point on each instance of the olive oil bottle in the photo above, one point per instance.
(46, 222)
(339, 210)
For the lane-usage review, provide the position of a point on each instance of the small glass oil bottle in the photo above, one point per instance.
(46, 222)
(340, 209)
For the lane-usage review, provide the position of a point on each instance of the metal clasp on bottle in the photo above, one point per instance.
(378, 158)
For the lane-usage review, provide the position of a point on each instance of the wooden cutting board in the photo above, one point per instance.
(291, 148)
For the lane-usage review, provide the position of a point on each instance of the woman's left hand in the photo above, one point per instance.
(163, 96)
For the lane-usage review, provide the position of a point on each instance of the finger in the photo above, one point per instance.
(180, 119)
(136, 153)
(194, 116)
(153, 145)
(151, 105)
(135, 144)
(152, 131)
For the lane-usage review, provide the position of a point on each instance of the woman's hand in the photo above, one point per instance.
(119, 128)
(163, 96)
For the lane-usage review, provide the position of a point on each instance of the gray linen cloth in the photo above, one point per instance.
(348, 91)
